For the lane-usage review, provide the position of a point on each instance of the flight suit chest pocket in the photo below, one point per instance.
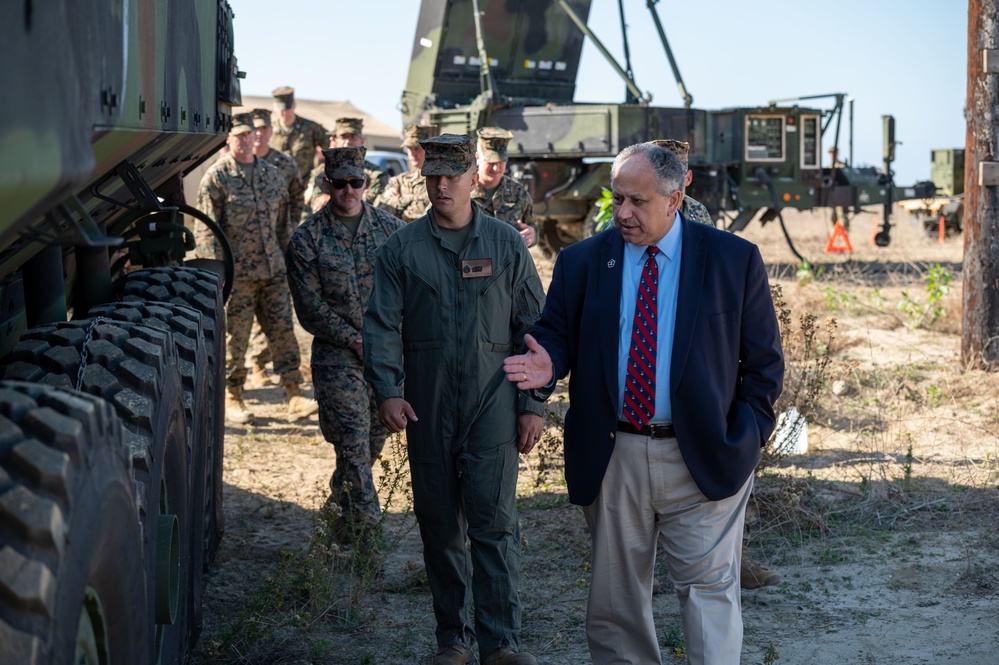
(422, 282)
(489, 284)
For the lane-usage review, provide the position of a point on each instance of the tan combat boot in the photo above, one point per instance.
(260, 378)
(299, 406)
(754, 576)
(236, 412)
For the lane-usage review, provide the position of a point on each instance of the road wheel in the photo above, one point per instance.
(192, 362)
(72, 577)
(134, 368)
(199, 290)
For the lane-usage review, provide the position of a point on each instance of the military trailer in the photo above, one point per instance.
(514, 63)
(943, 211)
(112, 350)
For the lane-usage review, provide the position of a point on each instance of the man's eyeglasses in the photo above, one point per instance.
(355, 183)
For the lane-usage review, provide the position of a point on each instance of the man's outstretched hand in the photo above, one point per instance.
(532, 369)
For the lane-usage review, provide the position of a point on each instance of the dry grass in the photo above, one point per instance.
(883, 531)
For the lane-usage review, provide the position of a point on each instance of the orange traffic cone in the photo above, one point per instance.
(838, 234)
(941, 230)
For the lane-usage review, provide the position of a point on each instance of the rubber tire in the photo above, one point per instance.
(67, 522)
(133, 367)
(189, 342)
(200, 290)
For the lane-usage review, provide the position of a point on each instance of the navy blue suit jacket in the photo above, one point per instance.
(726, 370)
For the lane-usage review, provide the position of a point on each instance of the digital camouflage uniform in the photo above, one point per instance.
(405, 196)
(696, 211)
(331, 275)
(259, 350)
(254, 217)
(377, 182)
(314, 189)
(438, 326)
(508, 202)
(287, 167)
(300, 142)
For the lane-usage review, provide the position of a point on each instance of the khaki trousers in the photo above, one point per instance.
(647, 493)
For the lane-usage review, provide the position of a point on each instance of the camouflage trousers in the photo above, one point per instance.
(259, 351)
(348, 418)
(270, 301)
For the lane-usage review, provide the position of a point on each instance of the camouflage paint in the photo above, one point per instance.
(133, 79)
(534, 49)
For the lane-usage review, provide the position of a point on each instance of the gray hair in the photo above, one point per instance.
(670, 171)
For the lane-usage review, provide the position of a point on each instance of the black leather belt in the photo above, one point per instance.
(664, 431)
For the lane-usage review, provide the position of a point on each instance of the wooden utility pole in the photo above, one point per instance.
(980, 334)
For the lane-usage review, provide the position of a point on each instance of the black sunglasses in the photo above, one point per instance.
(355, 183)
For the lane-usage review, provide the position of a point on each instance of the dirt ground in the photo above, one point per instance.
(884, 531)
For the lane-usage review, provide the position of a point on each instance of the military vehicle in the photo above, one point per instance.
(944, 211)
(513, 64)
(113, 349)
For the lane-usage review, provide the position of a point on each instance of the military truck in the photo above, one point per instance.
(514, 63)
(112, 350)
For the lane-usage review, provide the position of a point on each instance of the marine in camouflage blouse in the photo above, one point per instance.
(405, 196)
(252, 211)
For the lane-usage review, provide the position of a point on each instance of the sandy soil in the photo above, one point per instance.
(883, 531)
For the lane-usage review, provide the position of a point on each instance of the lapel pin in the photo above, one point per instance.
(611, 263)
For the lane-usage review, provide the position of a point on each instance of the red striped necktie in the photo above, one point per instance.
(640, 381)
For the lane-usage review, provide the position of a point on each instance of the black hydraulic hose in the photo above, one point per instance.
(762, 175)
(558, 189)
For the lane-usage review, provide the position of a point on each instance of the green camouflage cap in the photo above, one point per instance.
(284, 97)
(492, 143)
(416, 133)
(241, 124)
(344, 163)
(346, 126)
(678, 148)
(261, 117)
(448, 154)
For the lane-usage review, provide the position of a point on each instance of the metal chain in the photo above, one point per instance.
(84, 353)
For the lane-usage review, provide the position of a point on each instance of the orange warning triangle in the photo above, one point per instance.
(838, 234)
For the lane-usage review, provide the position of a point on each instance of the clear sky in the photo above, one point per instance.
(907, 58)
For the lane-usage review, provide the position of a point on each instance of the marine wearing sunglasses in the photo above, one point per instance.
(355, 183)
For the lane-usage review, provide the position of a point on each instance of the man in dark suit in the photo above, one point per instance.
(667, 332)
